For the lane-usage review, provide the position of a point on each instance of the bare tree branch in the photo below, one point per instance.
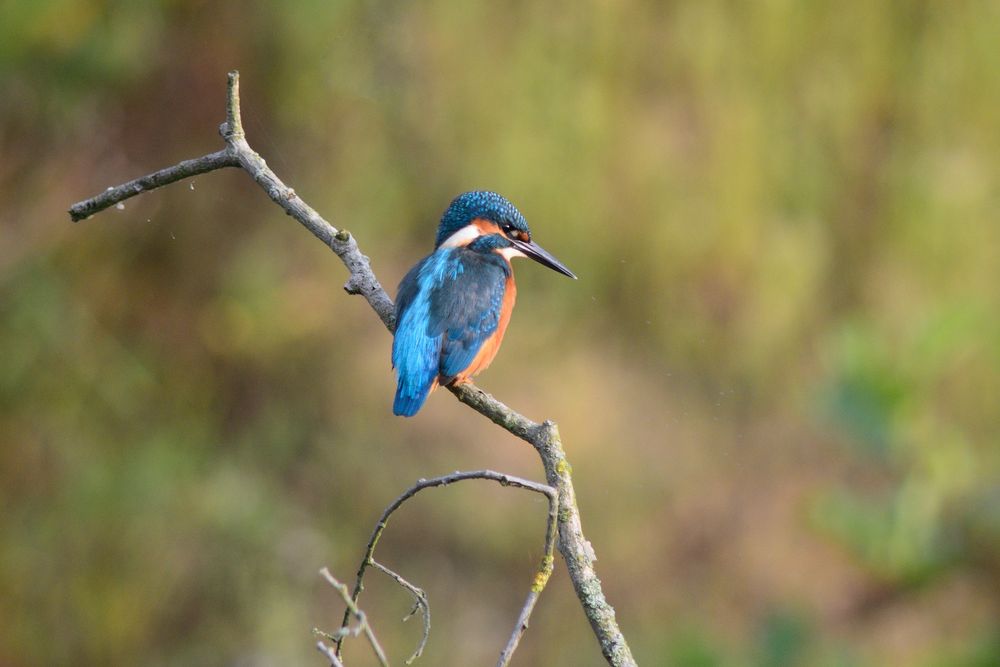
(421, 604)
(538, 584)
(362, 619)
(574, 547)
(541, 577)
(329, 653)
(180, 171)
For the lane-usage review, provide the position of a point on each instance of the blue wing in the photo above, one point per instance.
(414, 353)
(466, 311)
(447, 306)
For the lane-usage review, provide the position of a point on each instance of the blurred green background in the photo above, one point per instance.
(777, 377)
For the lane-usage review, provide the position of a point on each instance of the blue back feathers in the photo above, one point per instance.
(447, 306)
(478, 204)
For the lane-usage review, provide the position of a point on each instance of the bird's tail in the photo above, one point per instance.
(408, 400)
(407, 406)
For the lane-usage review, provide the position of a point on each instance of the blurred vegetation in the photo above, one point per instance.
(777, 377)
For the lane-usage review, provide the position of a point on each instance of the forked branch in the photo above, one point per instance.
(574, 547)
(538, 583)
(362, 627)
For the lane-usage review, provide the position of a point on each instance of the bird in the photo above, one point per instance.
(453, 306)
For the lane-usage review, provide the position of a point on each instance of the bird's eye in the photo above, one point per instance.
(507, 227)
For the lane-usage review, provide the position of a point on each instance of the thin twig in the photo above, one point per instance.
(541, 577)
(538, 584)
(574, 547)
(157, 179)
(329, 653)
(362, 619)
(421, 604)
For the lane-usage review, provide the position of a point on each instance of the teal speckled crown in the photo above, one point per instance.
(478, 204)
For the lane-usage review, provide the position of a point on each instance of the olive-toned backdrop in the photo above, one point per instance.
(777, 377)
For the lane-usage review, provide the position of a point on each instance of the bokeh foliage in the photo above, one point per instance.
(777, 378)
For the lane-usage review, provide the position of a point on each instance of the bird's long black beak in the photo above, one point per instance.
(542, 256)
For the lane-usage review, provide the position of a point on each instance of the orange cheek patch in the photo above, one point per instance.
(487, 227)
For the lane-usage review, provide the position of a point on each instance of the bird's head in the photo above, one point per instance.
(488, 222)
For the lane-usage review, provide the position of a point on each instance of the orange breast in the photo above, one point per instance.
(492, 344)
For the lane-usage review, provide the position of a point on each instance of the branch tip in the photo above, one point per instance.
(362, 619)
(234, 123)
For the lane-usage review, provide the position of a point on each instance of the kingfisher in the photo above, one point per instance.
(453, 307)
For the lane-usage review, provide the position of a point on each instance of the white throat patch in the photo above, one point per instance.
(463, 237)
(510, 253)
